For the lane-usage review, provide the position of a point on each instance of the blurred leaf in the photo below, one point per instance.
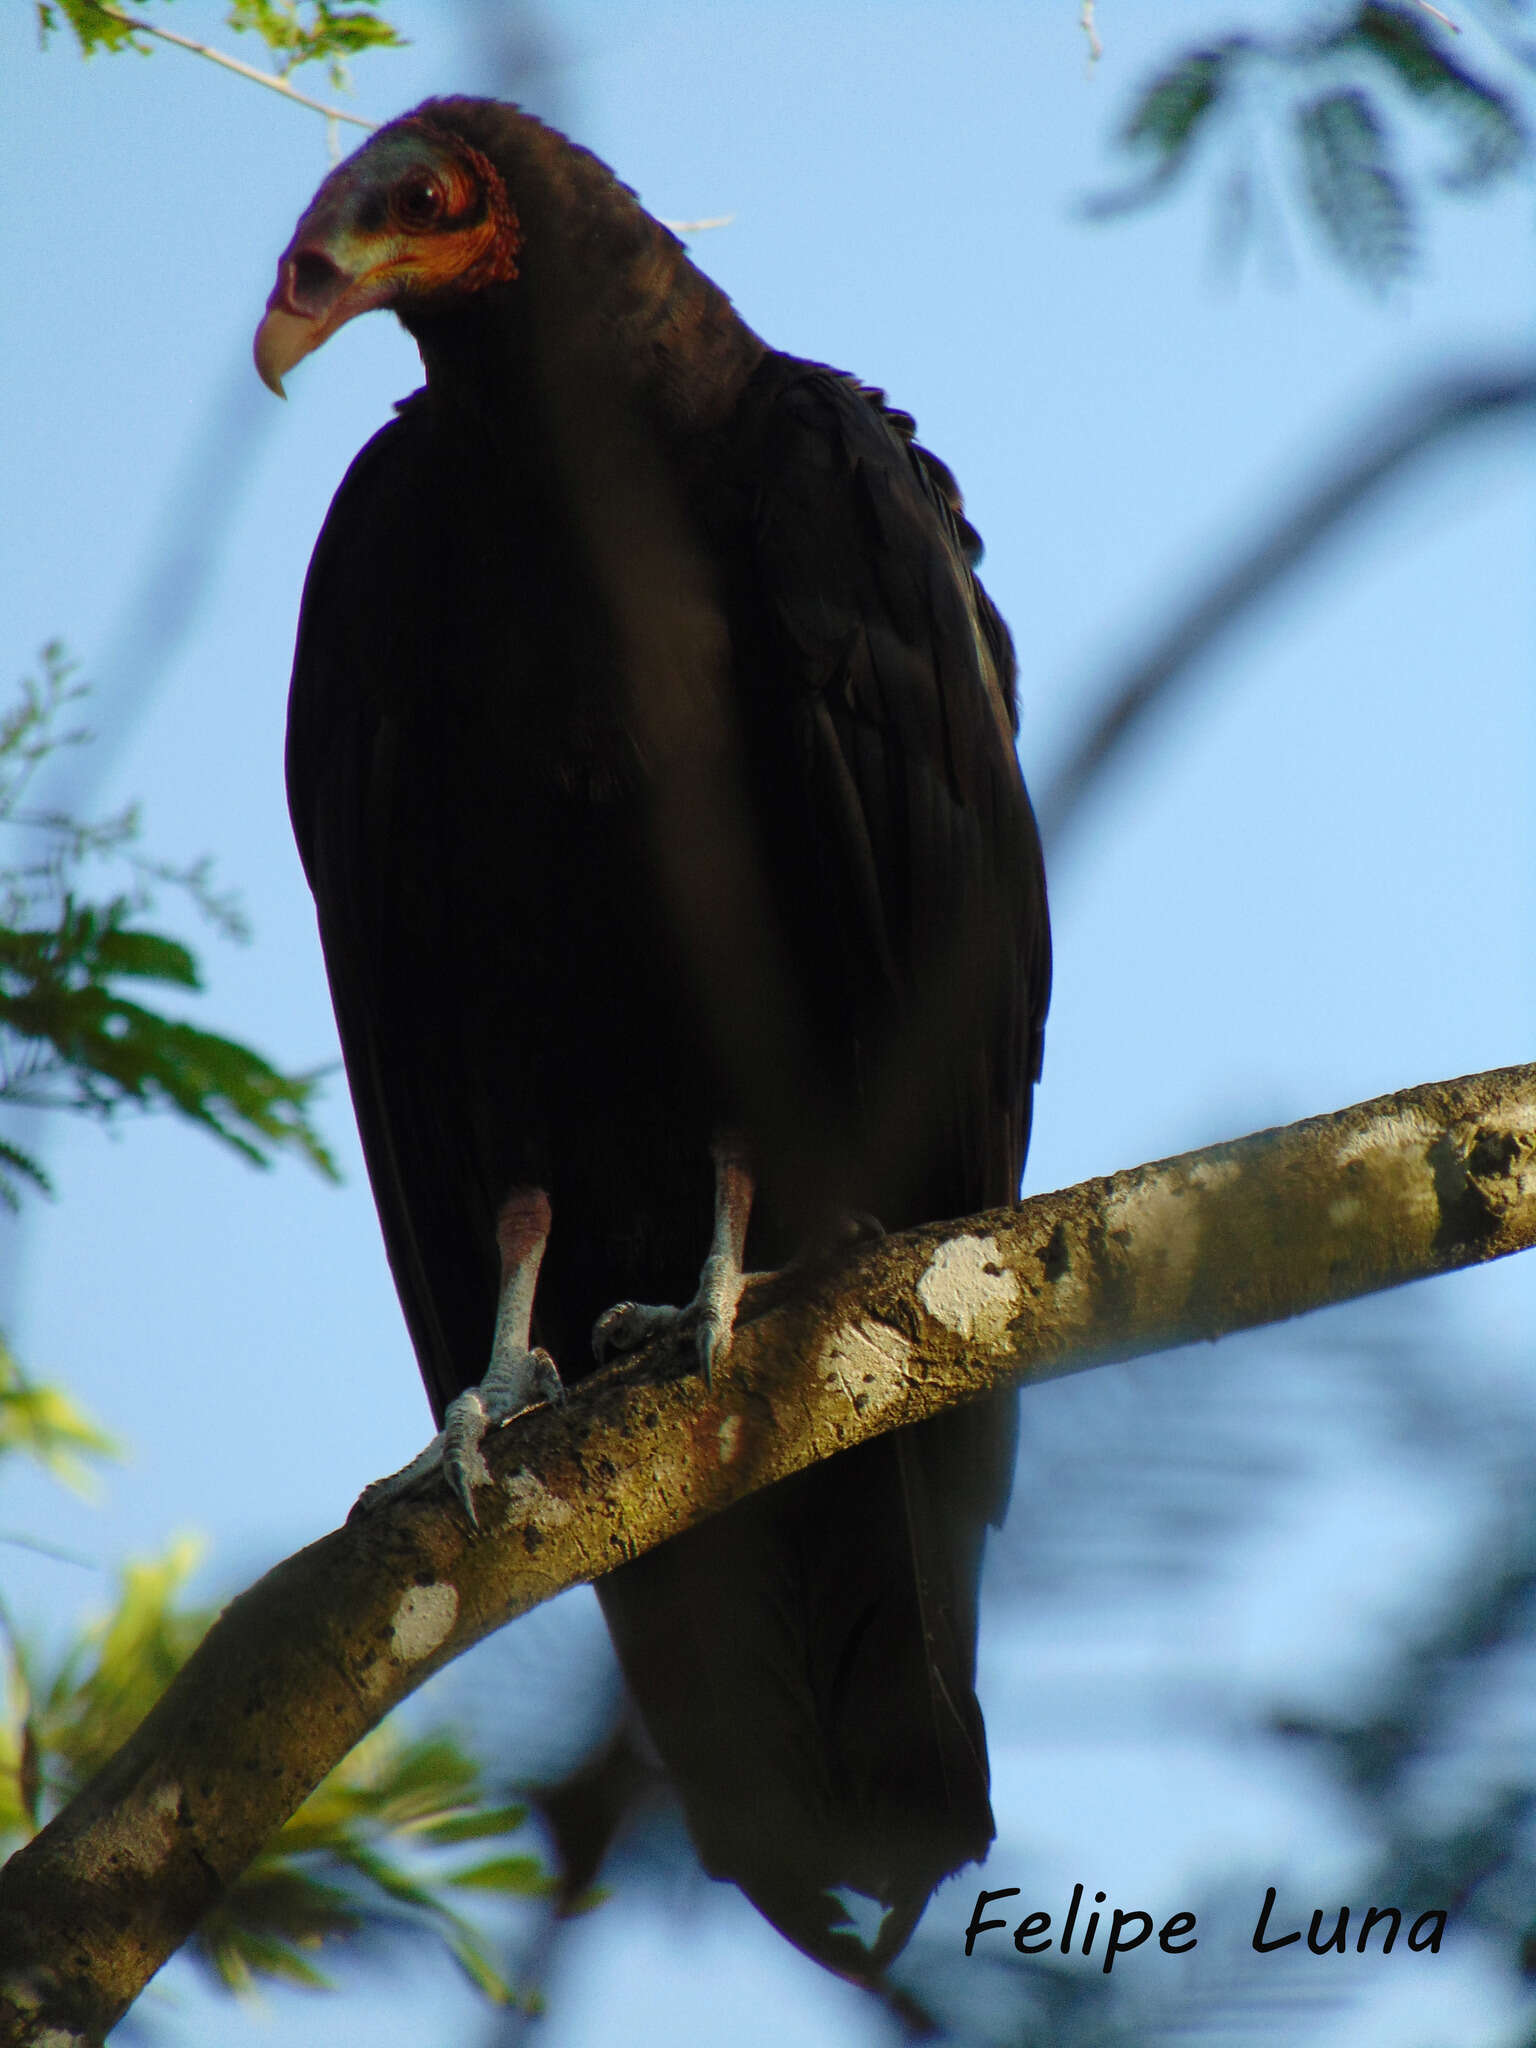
(45, 1424)
(111, 1677)
(474, 1827)
(338, 1867)
(12, 1157)
(470, 1955)
(1166, 122)
(1494, 137)
(1336, 89)
(1356, 193)
(523, 1875)
(586, 1902)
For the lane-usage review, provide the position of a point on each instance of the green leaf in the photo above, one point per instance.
(329, 35)
(148, 956)
(474, 1827)
(95, 29)
(239, 1956)
(524, 1876)
(469, 1953)
(1357, 196)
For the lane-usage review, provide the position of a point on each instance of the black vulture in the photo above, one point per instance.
(651, 757)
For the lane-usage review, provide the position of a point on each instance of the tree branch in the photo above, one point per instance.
(1386, 447)
(301, 1666)
(269, 79)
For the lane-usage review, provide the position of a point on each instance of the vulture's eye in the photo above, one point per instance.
(418, 203)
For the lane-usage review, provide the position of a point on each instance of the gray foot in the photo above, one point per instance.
(710, 1317)
(519, 1380)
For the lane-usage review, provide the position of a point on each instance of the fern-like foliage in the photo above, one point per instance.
(1341, 93)
(75, 1032)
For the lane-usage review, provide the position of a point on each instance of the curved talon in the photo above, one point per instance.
(711, 1340)
(464, 1466)
(517, 1383)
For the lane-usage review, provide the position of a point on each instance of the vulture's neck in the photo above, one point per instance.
(606, 318)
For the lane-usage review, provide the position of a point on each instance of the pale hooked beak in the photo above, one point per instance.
(313, 296)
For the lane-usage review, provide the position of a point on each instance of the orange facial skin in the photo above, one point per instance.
(416, 212)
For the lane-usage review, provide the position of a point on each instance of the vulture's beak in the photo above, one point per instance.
(313, 296)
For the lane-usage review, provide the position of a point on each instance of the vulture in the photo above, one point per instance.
(651, 759)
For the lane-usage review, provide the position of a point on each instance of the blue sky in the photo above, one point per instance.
(1312, 884)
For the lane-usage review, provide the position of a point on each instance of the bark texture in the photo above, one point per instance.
(301, 1666)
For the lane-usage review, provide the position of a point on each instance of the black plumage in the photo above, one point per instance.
(651, 759)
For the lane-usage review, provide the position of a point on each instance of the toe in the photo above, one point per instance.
(464, 1465)
(628, 1326)
(606, 1331)
(546, 1384)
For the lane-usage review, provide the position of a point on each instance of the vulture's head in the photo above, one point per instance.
(418, 215)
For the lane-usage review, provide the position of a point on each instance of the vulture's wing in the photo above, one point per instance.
(806, 1662)
(883, 690)
(362, 712)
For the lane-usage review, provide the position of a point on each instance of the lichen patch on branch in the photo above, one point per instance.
(423, 1620)
(1389, 1129)
(1156, 1225)
(968, 1288)
(530, 1500)
(871, 1362)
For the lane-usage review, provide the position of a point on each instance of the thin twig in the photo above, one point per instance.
(266, 78)
(697, 227)
(1090, 30)
(1453, 26)
(10, 1538)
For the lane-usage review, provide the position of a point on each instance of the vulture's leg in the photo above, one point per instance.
(518, 1376)
(711, 1315)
